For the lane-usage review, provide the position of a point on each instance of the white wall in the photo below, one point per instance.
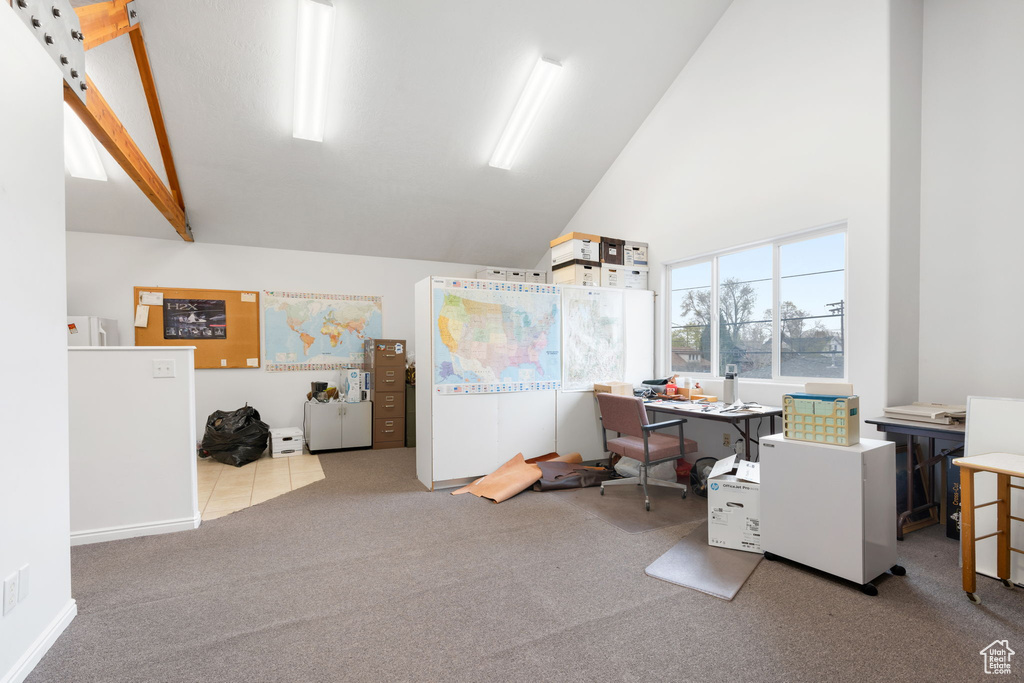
(778, 123)
(905, 35)
(133, 458)
(971, 200)
(103, 269)
(33, 355)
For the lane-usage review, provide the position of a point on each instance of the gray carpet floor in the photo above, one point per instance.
(366, 577)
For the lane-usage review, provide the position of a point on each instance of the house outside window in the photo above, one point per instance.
(777, 310)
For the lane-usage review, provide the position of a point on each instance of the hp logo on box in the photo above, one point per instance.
(714, 486)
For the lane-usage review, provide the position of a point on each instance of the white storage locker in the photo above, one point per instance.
(832, 508)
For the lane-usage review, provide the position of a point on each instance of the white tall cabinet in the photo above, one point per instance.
(832, 508)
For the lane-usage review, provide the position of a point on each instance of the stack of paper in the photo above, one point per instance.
(936, 413)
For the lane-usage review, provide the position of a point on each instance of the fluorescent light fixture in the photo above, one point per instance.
(313, 42)
(81, 156)
(525, 113)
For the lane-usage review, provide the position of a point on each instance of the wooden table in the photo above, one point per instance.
(1004, 466)
(931, 433)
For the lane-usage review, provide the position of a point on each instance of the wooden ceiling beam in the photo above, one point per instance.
(103, 123)
(104, 21)
(149, 86)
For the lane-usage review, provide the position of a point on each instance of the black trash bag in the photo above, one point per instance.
(237, 437)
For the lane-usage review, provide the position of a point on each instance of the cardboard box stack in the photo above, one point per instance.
(579, 258)
(512, 275)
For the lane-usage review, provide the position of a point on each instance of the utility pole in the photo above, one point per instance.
(839, 308)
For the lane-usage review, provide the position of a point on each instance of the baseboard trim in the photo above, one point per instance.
(116, 533)
(452, 483)
(23, 667)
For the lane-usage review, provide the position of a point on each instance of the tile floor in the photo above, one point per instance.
(224, 489)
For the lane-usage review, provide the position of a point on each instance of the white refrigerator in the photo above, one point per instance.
(88, 330)
(832, 508)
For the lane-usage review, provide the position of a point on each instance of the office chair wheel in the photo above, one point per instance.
(1008, 584)
(647, 504)
(974, 598)
(869, 589)
(897, 570)
(684, 493)
(602, 490)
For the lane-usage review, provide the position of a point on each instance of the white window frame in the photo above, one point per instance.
(776, 243)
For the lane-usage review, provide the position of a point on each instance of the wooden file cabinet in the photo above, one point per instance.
(385, 361)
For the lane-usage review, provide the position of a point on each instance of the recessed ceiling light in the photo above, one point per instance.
(314, 39)
(525, 113)
(81, 156)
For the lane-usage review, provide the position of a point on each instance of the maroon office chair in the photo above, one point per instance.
(638, 440)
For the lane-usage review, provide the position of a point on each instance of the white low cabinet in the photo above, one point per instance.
(336, 425)
(832, 508)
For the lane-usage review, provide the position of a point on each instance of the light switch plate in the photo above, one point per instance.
(163, 368)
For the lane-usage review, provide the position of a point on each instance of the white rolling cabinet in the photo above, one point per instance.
(832, 508)
(336, 425)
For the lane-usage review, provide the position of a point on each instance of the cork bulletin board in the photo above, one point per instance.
(223, 325)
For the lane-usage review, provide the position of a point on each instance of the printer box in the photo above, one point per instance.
(734, 505)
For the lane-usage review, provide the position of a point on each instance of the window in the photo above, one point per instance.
(780, 310)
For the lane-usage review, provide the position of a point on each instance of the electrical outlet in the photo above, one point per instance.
(163, 368)
(23, 583)
(741, 448)
(10, 592)
(725, 439)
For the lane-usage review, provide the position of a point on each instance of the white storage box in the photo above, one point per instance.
(492, 274)
(536, 276)
(513, 275)
(575, 246)
(635, 277)
(635, 254)
(578, 273)
(613, 276)
(285, 441)
(734, 505)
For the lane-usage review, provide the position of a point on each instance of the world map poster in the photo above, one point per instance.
(304, 331)
(493, 337)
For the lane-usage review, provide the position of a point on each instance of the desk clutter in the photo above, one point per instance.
(579, 258)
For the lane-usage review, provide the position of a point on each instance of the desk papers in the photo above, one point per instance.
(935, 413)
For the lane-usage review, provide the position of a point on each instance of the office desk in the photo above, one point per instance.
(696, 410)
(930, 432)
(1004, 466)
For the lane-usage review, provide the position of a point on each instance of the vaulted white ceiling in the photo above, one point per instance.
(420, 92)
